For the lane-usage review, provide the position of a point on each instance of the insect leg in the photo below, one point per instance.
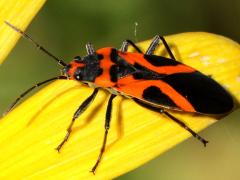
(124, 46)
(155, 43)
(107, 126)
(90, 49)
(79, 111)
(29, 90)
(183, 125)
(134, 45)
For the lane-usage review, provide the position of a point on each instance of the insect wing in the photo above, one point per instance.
(190, 92)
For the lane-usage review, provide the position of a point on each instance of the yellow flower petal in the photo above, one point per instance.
(19, 13)
(29, 134)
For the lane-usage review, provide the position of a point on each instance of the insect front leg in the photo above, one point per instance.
(155, 43)
(107, 126)
(29, 90)
(79, 111)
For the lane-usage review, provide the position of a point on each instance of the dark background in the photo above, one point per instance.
(64, 27)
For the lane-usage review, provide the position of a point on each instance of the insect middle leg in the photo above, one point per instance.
(79, 111)
(155, 43)
(107, 126)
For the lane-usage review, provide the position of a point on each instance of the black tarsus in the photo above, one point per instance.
(78, 112)
(107, 126)
(29, 90)
(38, 46)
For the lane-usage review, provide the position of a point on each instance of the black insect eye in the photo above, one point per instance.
(78, 74)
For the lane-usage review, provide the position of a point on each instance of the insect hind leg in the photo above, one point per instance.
(183, 125)
(155, 43)
(179, 122)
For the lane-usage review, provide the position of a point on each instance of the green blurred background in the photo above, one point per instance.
(64, 27)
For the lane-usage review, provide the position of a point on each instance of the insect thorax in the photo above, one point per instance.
(85, 69)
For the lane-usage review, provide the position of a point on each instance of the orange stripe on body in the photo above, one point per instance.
(104, 80)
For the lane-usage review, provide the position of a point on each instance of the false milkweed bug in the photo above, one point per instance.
(155, 82)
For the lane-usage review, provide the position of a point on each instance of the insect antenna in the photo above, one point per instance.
(38, 46)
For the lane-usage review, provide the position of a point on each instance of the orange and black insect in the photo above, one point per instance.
(155, 82)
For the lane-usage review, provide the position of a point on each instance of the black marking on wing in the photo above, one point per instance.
(154, 94)
(114, 55)
(121, 68)
(160, 60)
(146, 74)
(124, 68)
(205, 94)
(114, 73)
